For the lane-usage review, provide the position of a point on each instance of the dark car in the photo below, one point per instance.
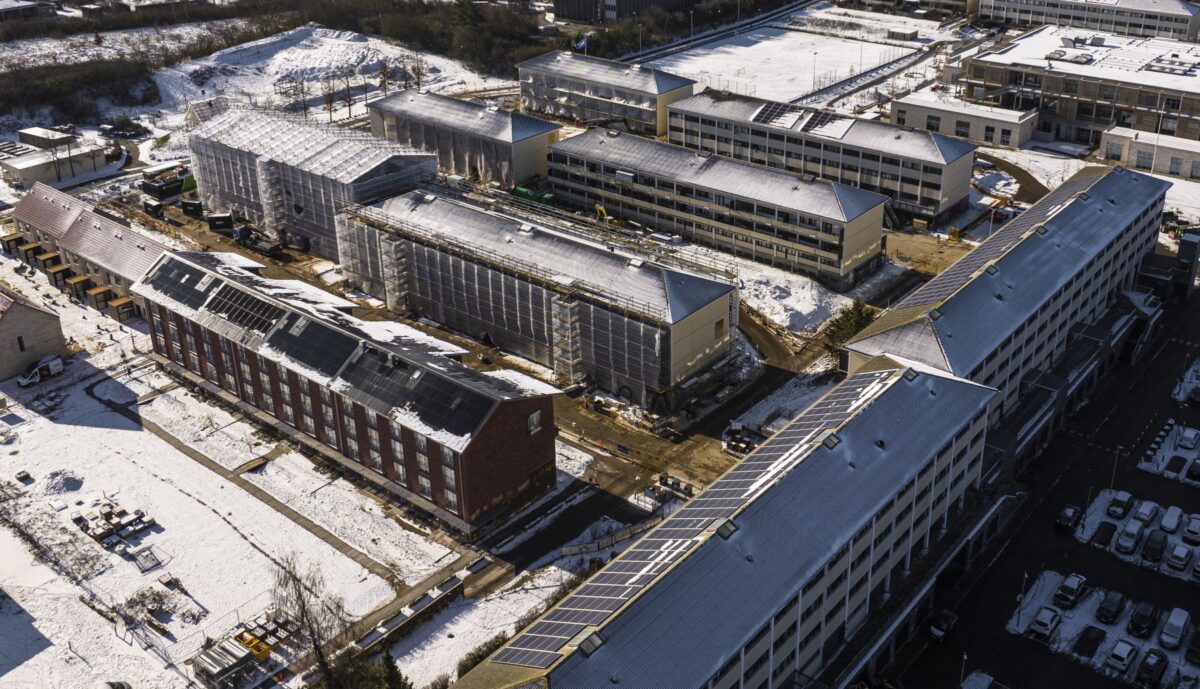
(1155, 546)
(1087, 643)
(1070, 591)
(1192, 654)
(1152, 668)
(1068, 518)
(1193, 472)
(1119, 505)
(1141, 622)
(1111, 607)
(1104, 535)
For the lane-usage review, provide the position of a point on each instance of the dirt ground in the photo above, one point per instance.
(924, 253)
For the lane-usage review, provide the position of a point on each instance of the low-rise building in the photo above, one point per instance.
(593, 312)
(11, 10)
(475, 140)
(1176, 19)
(1015, 307)
(57, 165)
(595, 91)
(1157, 153)
(927, 176)
(945, 113)
(91, 255)
(383, 399)
(291, 175)
(29, 331)
(829, 230)
(40, 137)
(1082, 82)
(779, 565)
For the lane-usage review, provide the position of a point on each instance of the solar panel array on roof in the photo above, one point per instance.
(313, 344)
(953, 278)
(778, 114)
(244, 310)
(820, 119)
(181, 282)
(539, 645)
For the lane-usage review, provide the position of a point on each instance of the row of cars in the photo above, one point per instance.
(1149, 665)
(1157, 536)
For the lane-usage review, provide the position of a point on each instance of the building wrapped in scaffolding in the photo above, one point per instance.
(291, 176)
(470, 139)
(660, 335)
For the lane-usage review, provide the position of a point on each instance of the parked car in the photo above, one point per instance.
(1130, 537)
(1188, 437)
(1196, 572)
(1191, 530)
(1070, 591)
(1156, 545)
(1111, 607)
(1142, 621)
(1122, 656)
(1174, 629)
(46, 367)
(1044, 623)
(1179, 557)
(1119, 505)
(942, 624)
(1172, 519)
(1193, 472)
(1103, 535)
(1192, 654)
(1068, 518)
(1151, 670)
(1146, 511)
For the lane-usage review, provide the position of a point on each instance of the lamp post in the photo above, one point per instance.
(692, 21)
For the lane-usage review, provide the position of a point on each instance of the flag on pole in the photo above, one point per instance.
(581, 44)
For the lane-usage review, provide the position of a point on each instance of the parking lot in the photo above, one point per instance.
(1098, 449)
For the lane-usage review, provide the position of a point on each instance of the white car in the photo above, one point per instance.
(1172, 519)
(1044, 623)
(1130, 536)
(1122, 656)
(1179, 557)
(1175, 629)
(1191, 530)
(1146, 511)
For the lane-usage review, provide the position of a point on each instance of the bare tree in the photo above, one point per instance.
(385, 73)
(348, 96)
(329, 93)
(301, 594)
(418, 70)
(302, 90)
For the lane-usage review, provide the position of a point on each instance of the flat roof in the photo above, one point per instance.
(1134, 60)
(1169, 7)
(802, 193)
(944, 101)
(467, 116)
(610, 274)
(45, 133)
(673, 607)
(43, 156)
(1165, 141)
(598, 70)
(916, 144)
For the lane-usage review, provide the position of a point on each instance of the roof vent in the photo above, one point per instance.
(935, 314)
(727, 529)
(428, 198)
(526, 228)
(879, 444)
(831, 441)
(590, 643)
(1040, 229)
(635, 263)
(991, 269)
(613, 133)
(909, 374)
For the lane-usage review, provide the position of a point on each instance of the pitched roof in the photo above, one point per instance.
(961, 316)
(341, 154)
(467, 116)
(793, 503)
(802, 193)
(598, 70)
(9, 298)
(916, 144)
(391, 368)
(49, 210)
(553, 255)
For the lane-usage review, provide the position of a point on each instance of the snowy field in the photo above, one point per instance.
(107, 45)
(828, 18)
(779, 64)
(1051, 169)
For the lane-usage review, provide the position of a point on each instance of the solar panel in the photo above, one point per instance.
(244, 309)
(313, 344)
(820, 119)
(182, 283)
(778, 114)
(638, 566)
(953, 278)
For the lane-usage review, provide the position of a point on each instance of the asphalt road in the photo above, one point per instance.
(1078, 462)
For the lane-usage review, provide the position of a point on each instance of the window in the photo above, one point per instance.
(448, 477)
(1145, 160)
(20, 343)
(719, 329)
(452, 502)
(425, 488)
(989, 133)
(1005, 137)
(933, 122)
(1195, 168)
(1113, 151)
(423, 463)
(1176, 165)
(900, 117)
(962, 128)
(535, 422)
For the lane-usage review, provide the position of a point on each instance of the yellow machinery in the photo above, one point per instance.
(260, 649)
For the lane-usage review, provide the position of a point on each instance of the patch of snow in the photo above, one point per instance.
(1049, 168)
(787, 402)
(107, 45)
(525, 384)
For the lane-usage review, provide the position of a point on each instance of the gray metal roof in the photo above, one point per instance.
(915, 144)
(598, 70)
(683, 625)
(49, 210)
(466, 116)
(393, 369)
(341, 154)
(961, 316)
(804, 194)
(609, 274)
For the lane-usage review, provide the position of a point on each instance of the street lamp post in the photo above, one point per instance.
(692, 21)
(1116, 456)
(962, 672)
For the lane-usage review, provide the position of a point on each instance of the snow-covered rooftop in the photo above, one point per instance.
(610, 274)
(473, 118)
(945, 101)
(1133, 60)
(693, 595)
(957, 319)
(915, 144)
(43, 156)
(610, 72)
(805, 194)
(1165, 141)
(391, 368)
(334, 152)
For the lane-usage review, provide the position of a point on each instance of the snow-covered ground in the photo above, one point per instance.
(779, 64)
(825, 17)
(1051, 169)
(107, 45)
(311, 54)
(787, 402)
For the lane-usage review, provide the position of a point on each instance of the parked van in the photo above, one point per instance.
(1188, 438)
(1174, 629)
(44, 368)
